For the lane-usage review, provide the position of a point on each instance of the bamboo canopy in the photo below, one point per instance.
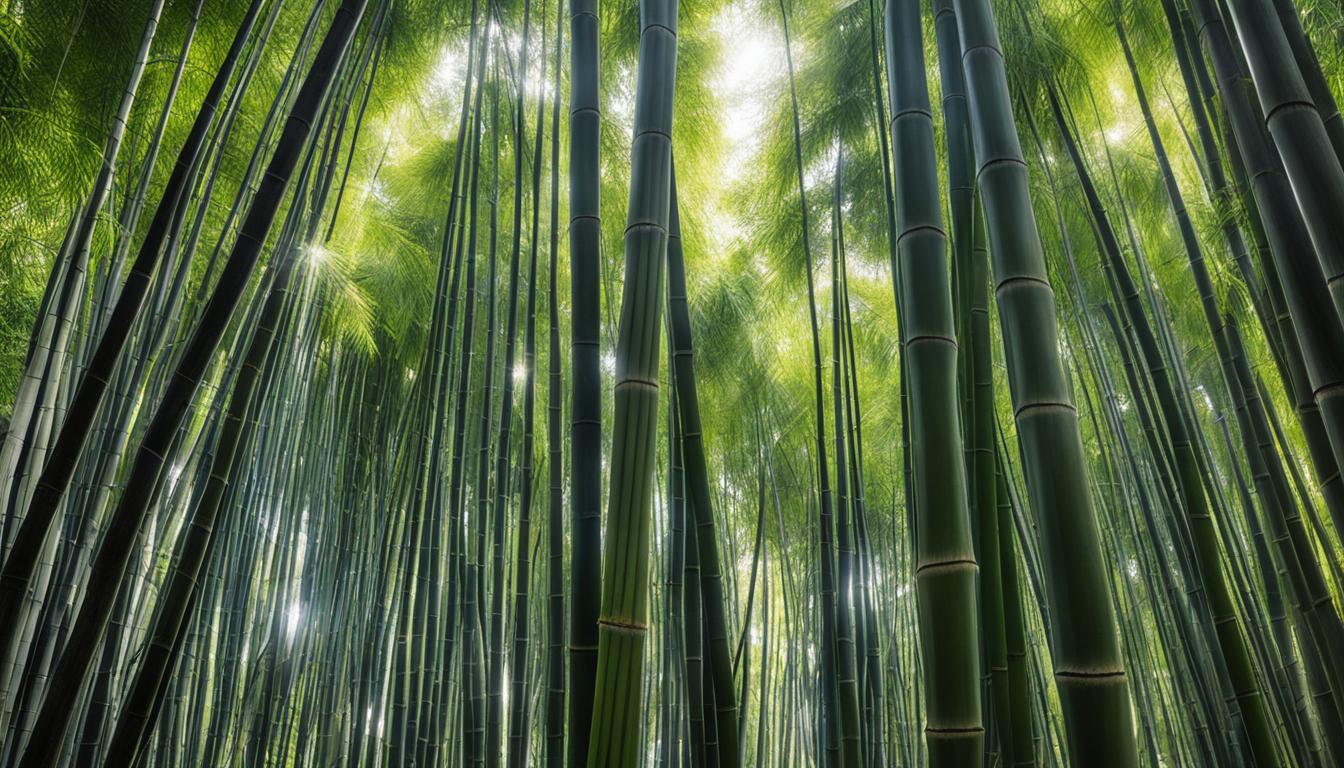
(824, 383)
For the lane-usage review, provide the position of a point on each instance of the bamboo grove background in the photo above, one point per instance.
(718, 382)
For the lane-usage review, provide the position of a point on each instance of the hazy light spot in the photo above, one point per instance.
(292, 617)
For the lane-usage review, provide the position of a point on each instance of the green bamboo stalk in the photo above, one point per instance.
(1309, 158)
(1089, 673)
(945, 569)
(696, 470)
(58, 467)
(851, 744)
(518, 659)
(622, 625)
(555, 509)
(585, 477)
(1307, 297)
(826, 695)
(494, 732)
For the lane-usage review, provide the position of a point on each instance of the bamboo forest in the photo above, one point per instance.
(671, 383)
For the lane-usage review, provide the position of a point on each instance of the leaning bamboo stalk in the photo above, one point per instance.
(1299, 133)
(622, 625)
(692, 449)
(1089, 672)
(1306, 295)
(23, 454)
(110, 563)
(1195, 504)
(81, 414)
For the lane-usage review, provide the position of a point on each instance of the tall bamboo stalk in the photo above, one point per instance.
(1089, 672)
(585, 478)
(622, 625)
(945, 562)
(692, 450)
(555, 470)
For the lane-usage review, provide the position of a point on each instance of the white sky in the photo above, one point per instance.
(753, 58)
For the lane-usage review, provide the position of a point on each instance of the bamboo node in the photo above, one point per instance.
(633, 628)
